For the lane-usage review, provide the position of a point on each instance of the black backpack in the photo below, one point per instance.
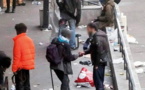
(54, 53)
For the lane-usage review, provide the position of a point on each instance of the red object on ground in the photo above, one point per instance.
(85, 76)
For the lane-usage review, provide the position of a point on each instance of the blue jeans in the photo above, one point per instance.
(102, 1)
(98, 76)
(72, 24)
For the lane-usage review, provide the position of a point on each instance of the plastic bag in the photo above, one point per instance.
(85, 77)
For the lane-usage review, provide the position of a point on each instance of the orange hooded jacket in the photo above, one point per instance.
(23, 53)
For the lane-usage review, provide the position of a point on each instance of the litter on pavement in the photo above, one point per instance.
(40, 43)
(13, 87)
(140, 70)
(87, 56)
(139, 64)
(82, 26)
(118, 61)
(88, 63)
(131, 39)
(108, 87)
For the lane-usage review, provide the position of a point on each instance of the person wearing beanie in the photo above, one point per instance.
(64, 68)
(5, 63)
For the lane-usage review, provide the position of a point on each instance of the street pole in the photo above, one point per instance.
(45, 14)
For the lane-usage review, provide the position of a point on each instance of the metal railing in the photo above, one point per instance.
(131, 75)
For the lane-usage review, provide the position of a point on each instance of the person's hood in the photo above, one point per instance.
(101, 33)
(111, 2)
(62, 39)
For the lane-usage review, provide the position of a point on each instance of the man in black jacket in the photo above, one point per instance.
(70, 10)
(5, 63)
(98, 49)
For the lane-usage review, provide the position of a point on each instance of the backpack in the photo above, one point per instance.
(53, 53)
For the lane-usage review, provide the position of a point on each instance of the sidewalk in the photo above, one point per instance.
(40, 77)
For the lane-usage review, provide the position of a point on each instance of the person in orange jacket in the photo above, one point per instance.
(23, 57)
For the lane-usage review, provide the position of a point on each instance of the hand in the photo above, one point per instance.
(81, 54)
(96, 67)
(15, 73)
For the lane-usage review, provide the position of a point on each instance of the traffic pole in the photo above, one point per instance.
(45, 14)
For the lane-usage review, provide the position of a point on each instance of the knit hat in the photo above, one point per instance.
(66, 33)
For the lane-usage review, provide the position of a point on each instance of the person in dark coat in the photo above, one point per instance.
(5, 63)
(99, 46)
(70, 10)
(64, 68)
(106, 19)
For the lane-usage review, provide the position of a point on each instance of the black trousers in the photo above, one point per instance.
(13, 6)
(22, 80)
(1, 77)
(98, 76)
(64, 79)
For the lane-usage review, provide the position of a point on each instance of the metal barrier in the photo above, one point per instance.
(131, 75)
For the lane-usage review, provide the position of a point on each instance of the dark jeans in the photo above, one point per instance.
(98, 76)
(13, 6)
(64, 79)
(22, 80)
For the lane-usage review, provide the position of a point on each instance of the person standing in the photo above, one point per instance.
(23, 57)
(13, 6)
(98, 49)
(70, 10)
(64, 68)
(106, 19)
(5, 63)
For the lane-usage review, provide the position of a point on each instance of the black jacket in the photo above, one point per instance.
(98, 46)
(65, 64)
(70, 9)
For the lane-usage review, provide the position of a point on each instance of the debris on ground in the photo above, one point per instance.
(81, 41)
(88, 63)
(82, 26)
(108, 87)
(140, 70)
(107, 74)
(75, 63)
(87, 56)
(36, 3)
(116, 48)
(139, 64)
(85, 78)
(121, 73)
(131, 39)
(118, 61)
(50, 89)
(13, 87)
(36, 85)
(40, 43)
